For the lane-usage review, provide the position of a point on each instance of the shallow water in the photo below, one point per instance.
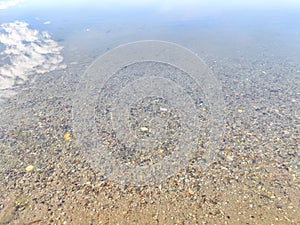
(251, 55)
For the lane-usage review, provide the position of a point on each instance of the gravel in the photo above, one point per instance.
(254, 179)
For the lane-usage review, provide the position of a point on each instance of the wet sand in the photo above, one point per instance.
(254, 178)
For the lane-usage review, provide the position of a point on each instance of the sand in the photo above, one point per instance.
(254, 178)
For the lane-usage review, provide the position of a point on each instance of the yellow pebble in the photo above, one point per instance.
(240, 110)
(67, 136)
(191, 192)
(29, 168)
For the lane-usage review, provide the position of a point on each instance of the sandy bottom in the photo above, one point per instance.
(254, 178)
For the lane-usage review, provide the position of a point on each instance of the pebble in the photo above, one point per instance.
(229, 158)
(30, 168)
(144, 129)
(67, 136)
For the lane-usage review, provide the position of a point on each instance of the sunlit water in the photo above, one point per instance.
(252, 49)
(37, 38)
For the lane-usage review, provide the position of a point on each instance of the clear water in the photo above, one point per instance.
(246, 53)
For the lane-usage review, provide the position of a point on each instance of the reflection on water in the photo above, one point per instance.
(26, 52)
(30, 31)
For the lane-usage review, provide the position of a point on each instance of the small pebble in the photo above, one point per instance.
(144, 129)
(29, 168)
(229, 158)
(67, 136)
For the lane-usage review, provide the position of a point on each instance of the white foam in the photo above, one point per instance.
(26, 52)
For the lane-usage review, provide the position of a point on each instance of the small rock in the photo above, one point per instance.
(191, 192)
(29, 168)
(67, 136)
(144, 129)
(229, 158)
